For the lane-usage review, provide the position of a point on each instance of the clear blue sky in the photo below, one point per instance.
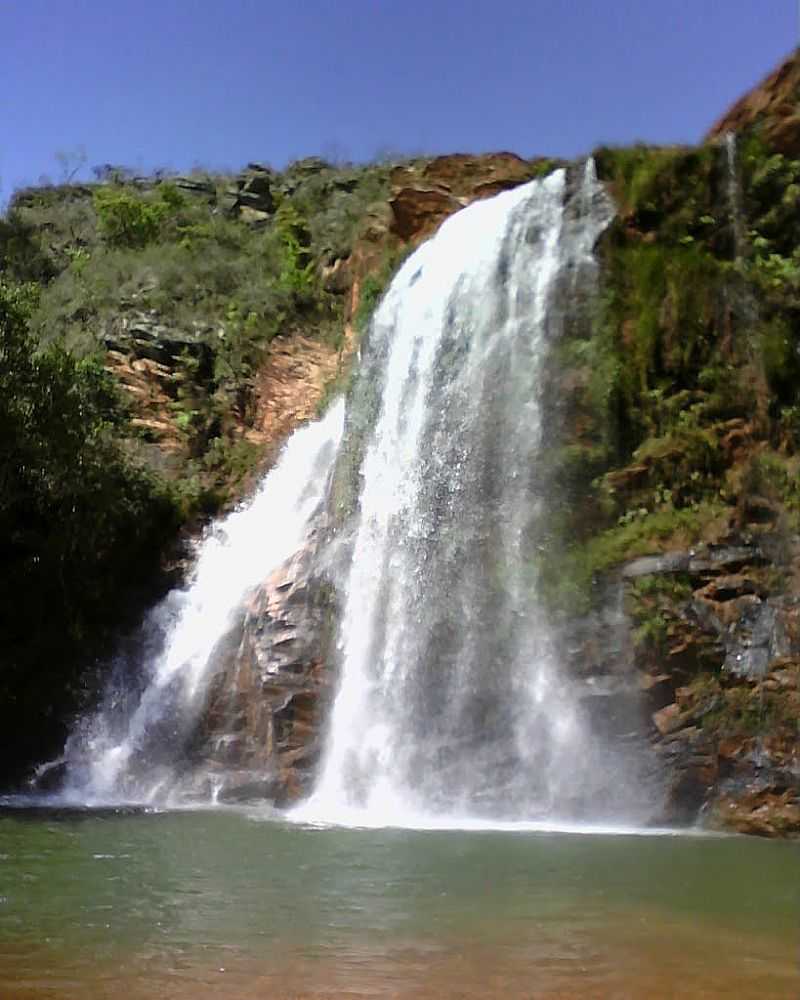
(174, 83)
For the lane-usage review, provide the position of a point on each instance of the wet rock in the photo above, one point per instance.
(248, 786)
(49, 777)
(692, 770)
(265, 704)
(659, 689)
(757, 637)
(714, 559)
(672, 562)
(763, 813)
(724, 558)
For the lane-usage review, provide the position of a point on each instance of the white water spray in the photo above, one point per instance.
(136, 757)
(450, 702)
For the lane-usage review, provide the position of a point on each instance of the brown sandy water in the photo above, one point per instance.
(217, 904)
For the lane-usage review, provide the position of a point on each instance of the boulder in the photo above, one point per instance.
(251, 195)
(143, 335)
(692, 771)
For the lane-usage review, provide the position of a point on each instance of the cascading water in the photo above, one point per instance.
(134, 752)
(450, 702)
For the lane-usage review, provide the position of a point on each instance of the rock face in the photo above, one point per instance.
(199, 185)
(722, 681)
(773, 105)
(143, 334)
(716, 691)
(418, 210)
(424, 195)
(292, 383)
(260, 735)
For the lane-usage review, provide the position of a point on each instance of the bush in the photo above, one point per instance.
(22, 257)
(125, 220)
(79, 522)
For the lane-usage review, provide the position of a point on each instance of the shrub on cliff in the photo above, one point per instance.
(125, 220)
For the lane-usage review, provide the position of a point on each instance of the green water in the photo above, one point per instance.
(215, 904)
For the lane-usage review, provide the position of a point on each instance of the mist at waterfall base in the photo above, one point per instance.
(452, 708)
(131, 749)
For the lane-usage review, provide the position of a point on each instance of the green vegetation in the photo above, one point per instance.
(653, 602)
(545, 165)
(124, 220)
(683, 391)
(733, 710)
(569, 577)
(672, 190)
(376, 283)
(74, 509)
(148, 268)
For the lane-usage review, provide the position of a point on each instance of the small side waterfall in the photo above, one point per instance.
(451, 703)
(131, 750)
(734, 196)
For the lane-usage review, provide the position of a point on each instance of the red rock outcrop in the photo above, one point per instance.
(773, 105)
(425, 194)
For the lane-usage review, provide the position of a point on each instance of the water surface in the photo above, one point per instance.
(229, 905)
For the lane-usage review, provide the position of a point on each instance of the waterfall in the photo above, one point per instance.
(131, 750)
(734, 196)
(451, 702)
